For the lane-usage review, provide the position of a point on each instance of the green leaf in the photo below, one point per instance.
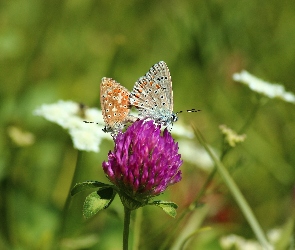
(168, 207)
(87, 185)
(107, 194)
(97, 201)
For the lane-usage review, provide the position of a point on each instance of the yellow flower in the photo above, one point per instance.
(231, 137)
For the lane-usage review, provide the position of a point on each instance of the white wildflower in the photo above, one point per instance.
(268, 89)
(183, 131)
(233, 241)
(60, 112)
(196, 155)
(274, 235)
(71, 116)
(87, 137)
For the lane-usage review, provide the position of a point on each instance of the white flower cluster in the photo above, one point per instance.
(233, 241)
(268, 89)
(182, 131)
(71, 116)
(195, 154)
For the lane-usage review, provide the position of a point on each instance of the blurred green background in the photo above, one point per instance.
(51, 50)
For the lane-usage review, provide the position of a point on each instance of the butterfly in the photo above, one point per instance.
(152, 95)
(115, 106)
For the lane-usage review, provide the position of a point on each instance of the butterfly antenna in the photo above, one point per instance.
(90, 122)
(193, 110)
(105, 129)
(189, 111)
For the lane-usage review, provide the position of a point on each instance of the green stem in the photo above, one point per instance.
(137, 226)
(225, 150)
(252, 115)
(225, 147)
(191, 208)
(127, 213)
(77, 173)
(238, 196)
(6, 189)
(203, 189)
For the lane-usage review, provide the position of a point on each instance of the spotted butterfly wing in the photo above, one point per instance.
(115, 105)
(152, 95)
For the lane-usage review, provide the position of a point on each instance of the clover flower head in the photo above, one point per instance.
(144, 161)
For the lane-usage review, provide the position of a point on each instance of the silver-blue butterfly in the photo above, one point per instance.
(152, 95)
